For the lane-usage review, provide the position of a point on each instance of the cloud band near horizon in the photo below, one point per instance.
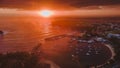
(55, 4)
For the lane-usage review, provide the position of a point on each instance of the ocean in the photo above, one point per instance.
(22, 34)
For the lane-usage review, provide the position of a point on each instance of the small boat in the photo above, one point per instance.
(1, 32)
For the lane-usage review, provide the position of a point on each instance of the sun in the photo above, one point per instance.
(46, 13)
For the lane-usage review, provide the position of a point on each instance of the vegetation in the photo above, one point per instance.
(22, 60)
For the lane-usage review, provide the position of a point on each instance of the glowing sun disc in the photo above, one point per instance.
(46, 13)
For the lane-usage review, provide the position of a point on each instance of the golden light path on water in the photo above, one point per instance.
(46, 24)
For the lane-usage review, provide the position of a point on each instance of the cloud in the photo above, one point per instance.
(60, 13)
(55, 4)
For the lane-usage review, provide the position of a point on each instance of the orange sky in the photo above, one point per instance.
(82, 12)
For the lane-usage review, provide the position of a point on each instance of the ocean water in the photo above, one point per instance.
(24, 34)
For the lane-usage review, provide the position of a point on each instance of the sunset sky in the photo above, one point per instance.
(62, 7)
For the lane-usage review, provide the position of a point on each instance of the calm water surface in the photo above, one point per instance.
(20, 34)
